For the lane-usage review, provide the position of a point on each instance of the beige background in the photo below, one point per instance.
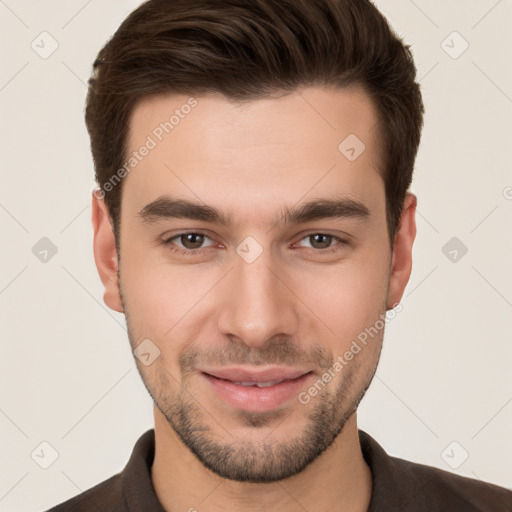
(67, 375)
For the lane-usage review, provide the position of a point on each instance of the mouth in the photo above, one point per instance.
(267, 384)
(257, 391)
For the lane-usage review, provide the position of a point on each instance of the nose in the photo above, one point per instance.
(258, 303)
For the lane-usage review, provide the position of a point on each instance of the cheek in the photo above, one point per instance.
(351, 298)
(162, 299)
(149, 292)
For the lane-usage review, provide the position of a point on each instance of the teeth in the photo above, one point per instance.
(259, 384)
(268, 384)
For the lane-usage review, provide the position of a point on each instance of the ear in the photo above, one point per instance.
(105, 252)
(401, 262)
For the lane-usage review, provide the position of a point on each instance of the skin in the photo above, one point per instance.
(289, 305)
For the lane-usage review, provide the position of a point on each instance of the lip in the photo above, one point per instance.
(252, 398)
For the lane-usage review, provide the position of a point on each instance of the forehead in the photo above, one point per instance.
(256, 156)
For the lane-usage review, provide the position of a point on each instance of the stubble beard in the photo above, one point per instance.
(246, 460)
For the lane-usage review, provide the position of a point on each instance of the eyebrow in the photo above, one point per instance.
(166, 207)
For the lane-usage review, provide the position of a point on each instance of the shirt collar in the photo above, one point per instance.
(138, 491)
(394, 487)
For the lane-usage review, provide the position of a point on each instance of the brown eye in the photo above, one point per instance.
(192, 240)
(324, 243)
(190, 243)
(321, 241)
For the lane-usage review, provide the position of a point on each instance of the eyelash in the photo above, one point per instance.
(191, 252)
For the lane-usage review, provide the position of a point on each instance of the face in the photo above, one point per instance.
(254, 255)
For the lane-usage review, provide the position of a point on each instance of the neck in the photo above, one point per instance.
(339, 479)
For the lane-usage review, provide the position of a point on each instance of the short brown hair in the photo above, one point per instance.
(248, 50)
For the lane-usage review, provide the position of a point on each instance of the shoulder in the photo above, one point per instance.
(437, 489)
(103, 497)
(400, 484)
(130, 489)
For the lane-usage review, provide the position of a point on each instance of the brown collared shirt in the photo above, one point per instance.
(398, 486)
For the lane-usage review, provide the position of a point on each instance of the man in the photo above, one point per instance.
(253, 219)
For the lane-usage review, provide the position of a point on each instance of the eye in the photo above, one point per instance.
(323, 242)
(190, 241)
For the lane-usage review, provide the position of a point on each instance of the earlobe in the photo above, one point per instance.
(401, 265)
(105, 253)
